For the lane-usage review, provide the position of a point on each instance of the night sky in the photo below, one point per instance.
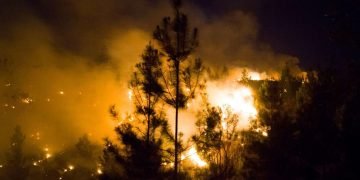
(322, 25)
(318, 32)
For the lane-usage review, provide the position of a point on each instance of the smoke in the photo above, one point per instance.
(231, 41)
(64, 62)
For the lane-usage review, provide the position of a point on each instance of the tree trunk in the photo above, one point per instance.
(148, 121)
(177, 64)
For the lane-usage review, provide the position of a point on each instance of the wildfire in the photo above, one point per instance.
(254, 75)
(239, 99)
(194, 157)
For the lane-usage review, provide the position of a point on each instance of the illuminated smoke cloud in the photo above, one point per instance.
(63, 63)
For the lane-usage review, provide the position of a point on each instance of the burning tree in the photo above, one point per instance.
(218, 140)
(174, 82)
(141, 155)
(147, 90)
(182, 77)
(136, 159)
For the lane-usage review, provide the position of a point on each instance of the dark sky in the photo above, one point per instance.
(316, 31)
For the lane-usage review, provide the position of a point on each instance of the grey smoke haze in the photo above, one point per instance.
(73, 59)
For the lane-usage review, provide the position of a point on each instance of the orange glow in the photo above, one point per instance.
(239, 99)
(26, 100)
(194, 157)
(48, 155)
(263, 131)
(130, 94)
(255, 76)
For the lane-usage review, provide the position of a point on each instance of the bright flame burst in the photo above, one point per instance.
(254, 76)
(194, 157)
(239, 99)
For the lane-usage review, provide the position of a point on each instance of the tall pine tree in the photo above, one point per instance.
(140, 154)
(182, 78)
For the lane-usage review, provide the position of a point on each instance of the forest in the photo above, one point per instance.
(285, 124)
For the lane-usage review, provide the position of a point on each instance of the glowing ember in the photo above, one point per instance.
(71, 167)
(61, 92)
(48, 155)
(99, 171)
(26, 100)
(37, 136)
(262, 131)
(130, 94)
(194, 157)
